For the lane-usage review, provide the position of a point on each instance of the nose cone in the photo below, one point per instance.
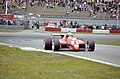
(76, 47)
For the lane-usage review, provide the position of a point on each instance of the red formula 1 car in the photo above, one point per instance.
(67, 41)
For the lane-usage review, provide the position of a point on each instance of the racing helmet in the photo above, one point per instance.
(70, 34)
(67, 35)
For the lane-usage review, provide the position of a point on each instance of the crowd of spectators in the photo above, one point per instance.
(4, 21)
(99, 27)
(113, 8)
(7, 22)
(93, 26)
(61, 24)
(35, 24)
(77, 5)
(94, 8)
(75, 24)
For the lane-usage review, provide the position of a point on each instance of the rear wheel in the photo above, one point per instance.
(56, 45)
(90, 45)
(48, 44)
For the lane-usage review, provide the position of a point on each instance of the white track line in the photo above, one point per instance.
(103, 62)
(34, 49)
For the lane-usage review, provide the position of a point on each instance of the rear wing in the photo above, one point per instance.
(58, 34)
(61, 35)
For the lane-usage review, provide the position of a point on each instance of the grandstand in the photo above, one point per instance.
(83, 10)
(55, 11)
(60, 12)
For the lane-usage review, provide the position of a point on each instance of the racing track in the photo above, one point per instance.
(106, 54)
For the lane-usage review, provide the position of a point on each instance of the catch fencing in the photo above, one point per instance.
(12, 27)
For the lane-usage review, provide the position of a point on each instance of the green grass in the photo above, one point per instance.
(6, 30)
(108, 43)
(19, 64)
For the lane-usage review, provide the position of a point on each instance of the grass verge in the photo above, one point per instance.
(19, 64)
(108, 43)
(6, 30)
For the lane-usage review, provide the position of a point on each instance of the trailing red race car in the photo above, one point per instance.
(67, 41)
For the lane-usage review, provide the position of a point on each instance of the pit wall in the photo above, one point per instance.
(81, 30)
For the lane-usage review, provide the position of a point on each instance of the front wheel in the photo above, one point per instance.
(48, 44)
(56, 45)
(90, 45)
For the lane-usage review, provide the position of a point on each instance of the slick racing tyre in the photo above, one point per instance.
(48, 44)
(90, 45)
(56, 45)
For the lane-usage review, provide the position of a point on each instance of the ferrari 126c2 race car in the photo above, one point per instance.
(67, 41)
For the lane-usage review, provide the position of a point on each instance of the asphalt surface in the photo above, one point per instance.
(34, 39)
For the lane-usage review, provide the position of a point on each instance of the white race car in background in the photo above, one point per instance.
(51, 25)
